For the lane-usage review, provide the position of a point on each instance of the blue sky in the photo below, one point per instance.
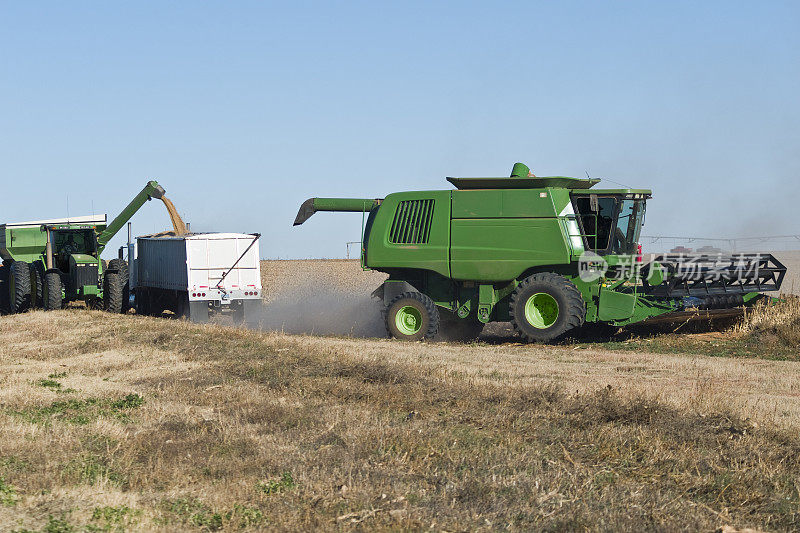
(242, 110)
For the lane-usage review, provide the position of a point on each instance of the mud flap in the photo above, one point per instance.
(252, 311)
(198, 312)
(390, 289)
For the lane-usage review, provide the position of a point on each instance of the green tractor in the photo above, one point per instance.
(51, 262)
(548, 254)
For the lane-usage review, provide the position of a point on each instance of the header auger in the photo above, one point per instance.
(548, 254)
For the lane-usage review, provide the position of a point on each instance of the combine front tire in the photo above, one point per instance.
(112, 292)
(19, 287)
(51, 294)
(412, 316)
(545, 306)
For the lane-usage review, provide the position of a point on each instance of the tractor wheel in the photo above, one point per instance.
(121, 267)
(412, 316)
(545, 306)
(19, 287)
(4, 299)
(51, 296)
(37, 285)
(453, 328)
(112, 292)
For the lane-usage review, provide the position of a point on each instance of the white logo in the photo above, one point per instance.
(591, 267)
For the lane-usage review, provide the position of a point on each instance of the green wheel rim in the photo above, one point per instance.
(541, 310)
(408, 320)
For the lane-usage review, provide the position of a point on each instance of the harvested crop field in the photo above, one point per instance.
(126, 422)
(112, 423)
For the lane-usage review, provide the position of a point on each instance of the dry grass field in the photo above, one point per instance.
(126, 423)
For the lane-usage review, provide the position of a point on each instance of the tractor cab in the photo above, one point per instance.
(610, 221)
(75, 255)
(68, 241)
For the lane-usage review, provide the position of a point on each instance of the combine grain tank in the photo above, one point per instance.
(196, 274)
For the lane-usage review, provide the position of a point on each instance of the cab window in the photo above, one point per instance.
(597, 226)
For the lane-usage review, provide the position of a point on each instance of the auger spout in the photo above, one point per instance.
(348, 205)
(151, 190)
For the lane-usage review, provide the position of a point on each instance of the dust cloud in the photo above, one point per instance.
(327, 312)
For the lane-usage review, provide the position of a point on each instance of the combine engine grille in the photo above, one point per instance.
(412, 222)
(707, 275)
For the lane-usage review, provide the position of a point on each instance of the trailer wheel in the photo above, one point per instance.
(141, 299)
(412, 316)
(4, 296)
(545, 306)
(51, 296)
(453, 328)
(19, 287)
(112, 292)
(121, 267)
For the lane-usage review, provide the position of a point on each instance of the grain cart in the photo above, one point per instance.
(547, 254)
(196, 274)
(50, 262)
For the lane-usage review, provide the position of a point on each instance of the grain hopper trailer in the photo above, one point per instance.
(547, 254)
(48, 263)
(196, 274)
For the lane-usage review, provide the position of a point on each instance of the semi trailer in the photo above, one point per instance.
(548, 254)
(196, 275)
(48, 263)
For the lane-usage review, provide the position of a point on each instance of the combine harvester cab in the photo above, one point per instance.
(49, 263)
(548, 254)
(194, 275)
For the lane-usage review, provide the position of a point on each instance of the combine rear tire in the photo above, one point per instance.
(112, 292)
(545, 306)
(51, 296)
(19, 287)
(412, 316)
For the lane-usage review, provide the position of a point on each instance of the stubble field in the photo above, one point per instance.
(112, 423)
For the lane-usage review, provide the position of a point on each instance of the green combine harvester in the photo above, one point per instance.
(548, 254)
(51, 262)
